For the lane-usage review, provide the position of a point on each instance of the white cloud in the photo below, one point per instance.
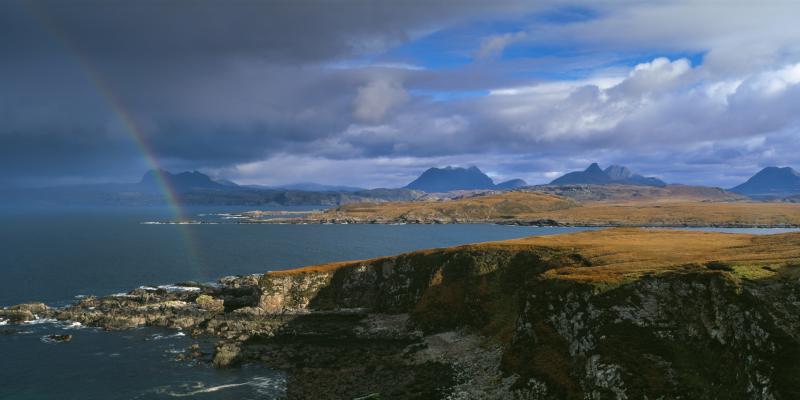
(494, 45)
(378, 97)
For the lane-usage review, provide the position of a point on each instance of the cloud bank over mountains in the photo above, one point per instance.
(372, 93)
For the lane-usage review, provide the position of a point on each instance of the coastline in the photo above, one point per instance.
(439, 322)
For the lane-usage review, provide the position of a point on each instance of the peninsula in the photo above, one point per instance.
(573, 205)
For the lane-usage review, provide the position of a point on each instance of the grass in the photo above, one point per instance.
(486, 207)
(617, 255)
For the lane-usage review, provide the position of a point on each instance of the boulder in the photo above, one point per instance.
(227, 354)
(209, 303)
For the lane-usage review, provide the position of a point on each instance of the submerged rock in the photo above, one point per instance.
(57, 338)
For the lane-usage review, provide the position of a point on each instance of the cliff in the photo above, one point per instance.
(611, 314)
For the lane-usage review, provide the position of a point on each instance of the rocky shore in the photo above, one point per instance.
(614, 314)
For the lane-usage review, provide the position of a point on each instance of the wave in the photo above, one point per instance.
(3, 322)
(39, 321)
(262, 385)
(174, 288)
(73, 325)
(162, 337)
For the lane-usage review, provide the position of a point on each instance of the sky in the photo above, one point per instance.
(372, 93)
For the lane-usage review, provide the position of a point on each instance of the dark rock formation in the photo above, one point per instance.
(57, 338)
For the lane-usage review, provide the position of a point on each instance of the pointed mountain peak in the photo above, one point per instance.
(594, 168)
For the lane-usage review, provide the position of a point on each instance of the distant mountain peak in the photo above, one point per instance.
(511, 184)
(618, 174)
(451, 178)
(594, 168)
(771, 182)
(182, 181)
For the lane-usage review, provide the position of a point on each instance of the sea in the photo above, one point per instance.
(59, 254)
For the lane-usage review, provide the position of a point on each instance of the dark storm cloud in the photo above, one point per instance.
(209, 83)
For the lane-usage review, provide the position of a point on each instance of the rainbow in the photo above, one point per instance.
(118, 107)
(131, 128)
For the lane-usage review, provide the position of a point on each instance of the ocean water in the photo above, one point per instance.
(53, 255)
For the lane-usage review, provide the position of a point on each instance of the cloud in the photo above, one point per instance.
(494, 45)
(376, 98)
(370, 89)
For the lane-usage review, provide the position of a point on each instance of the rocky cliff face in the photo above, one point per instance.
(694, 334)
(507, 320)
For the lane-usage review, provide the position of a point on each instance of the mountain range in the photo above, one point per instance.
(153, 180)
(771, 182)
(439, 180)
(197, 188)
(615, 174)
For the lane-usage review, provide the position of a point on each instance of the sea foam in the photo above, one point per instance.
(262, 385)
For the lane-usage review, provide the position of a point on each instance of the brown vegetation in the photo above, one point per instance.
(620, 254)
(629, 206)
(482, 207)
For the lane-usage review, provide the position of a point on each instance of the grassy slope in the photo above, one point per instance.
(622, 253)
(494, 206)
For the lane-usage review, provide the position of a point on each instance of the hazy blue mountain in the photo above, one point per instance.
(511, 184)
(447, 179)
(618, 172)
(451, 178)
(615, 174)
(192, 188)
(591, 175)
(771, 182)
(180, 182)
(226, 182)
